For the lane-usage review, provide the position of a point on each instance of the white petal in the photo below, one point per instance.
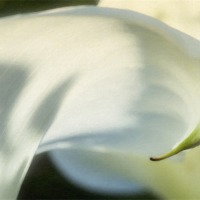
(138, 91)
(170, 180)
(91, 169)
(183, 15)
(145, 109)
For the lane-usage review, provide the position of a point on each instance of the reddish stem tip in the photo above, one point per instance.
(154, 159)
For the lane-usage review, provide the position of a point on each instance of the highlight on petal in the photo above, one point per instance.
(183, 15)
(97, 78)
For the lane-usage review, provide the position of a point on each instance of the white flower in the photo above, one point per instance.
(107, 89)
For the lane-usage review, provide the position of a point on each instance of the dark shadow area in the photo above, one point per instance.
(44, 182)
(47, 110)
(13, 79)
(12, 7)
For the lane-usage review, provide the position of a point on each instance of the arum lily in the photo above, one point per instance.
(102, 89)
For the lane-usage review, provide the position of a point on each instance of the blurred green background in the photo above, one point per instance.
(10, 7)
(43, 181)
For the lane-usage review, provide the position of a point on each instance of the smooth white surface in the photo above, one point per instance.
(93, 78)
